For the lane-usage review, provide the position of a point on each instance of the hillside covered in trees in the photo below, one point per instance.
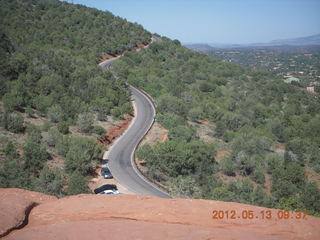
(49, 53)
(269, 130)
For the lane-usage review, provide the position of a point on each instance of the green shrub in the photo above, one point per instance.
(77, 184)
(258, 176)
(50, 181)
(63, 127)
(63, 145)
(82, 155)
(46, 126)
(85, 121)
(98, 130)
(13, 122)
(227, 166)
(55, 113)
(53, 137)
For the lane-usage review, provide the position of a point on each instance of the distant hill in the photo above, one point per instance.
(301, 41)
(205, 47)
(199, 47)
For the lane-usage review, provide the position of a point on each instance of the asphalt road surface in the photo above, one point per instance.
(122, 152)
(107, 63)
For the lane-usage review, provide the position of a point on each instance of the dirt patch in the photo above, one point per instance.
(35, 120)
(157, 134)
(268, 183)
(313, 176)
(221, 154)
(206, 130)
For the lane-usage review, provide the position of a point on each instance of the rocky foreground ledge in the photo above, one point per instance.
(30, 215)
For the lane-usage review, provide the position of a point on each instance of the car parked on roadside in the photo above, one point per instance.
(110, 192)
(105, 161)
(106, 173)
(105, 187)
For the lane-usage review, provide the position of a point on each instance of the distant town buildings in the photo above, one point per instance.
(313, 87)
(300, 62)
(311, 90)
(292, 79)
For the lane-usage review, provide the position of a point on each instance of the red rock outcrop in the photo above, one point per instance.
(142, 217)
(15, 205)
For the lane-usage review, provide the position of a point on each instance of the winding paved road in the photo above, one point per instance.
(122, 152)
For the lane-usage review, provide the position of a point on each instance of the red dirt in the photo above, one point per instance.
(164, 138)
(205, 121)
(115, 132)
(279, 146)
(107, 56)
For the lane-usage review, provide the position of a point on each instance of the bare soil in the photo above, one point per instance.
(157, 134)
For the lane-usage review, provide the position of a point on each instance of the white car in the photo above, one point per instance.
(110, 192)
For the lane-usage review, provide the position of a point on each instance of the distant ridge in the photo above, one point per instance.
(301, 41)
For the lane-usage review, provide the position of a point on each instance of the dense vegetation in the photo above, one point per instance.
(49, 52)
(30, 170)
(253, 112)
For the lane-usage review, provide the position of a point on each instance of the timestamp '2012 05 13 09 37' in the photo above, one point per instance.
(263, 214)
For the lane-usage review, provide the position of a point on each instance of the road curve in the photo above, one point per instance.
(121, 154)
(107, 63)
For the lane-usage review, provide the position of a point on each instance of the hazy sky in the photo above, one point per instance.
(219, 21)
